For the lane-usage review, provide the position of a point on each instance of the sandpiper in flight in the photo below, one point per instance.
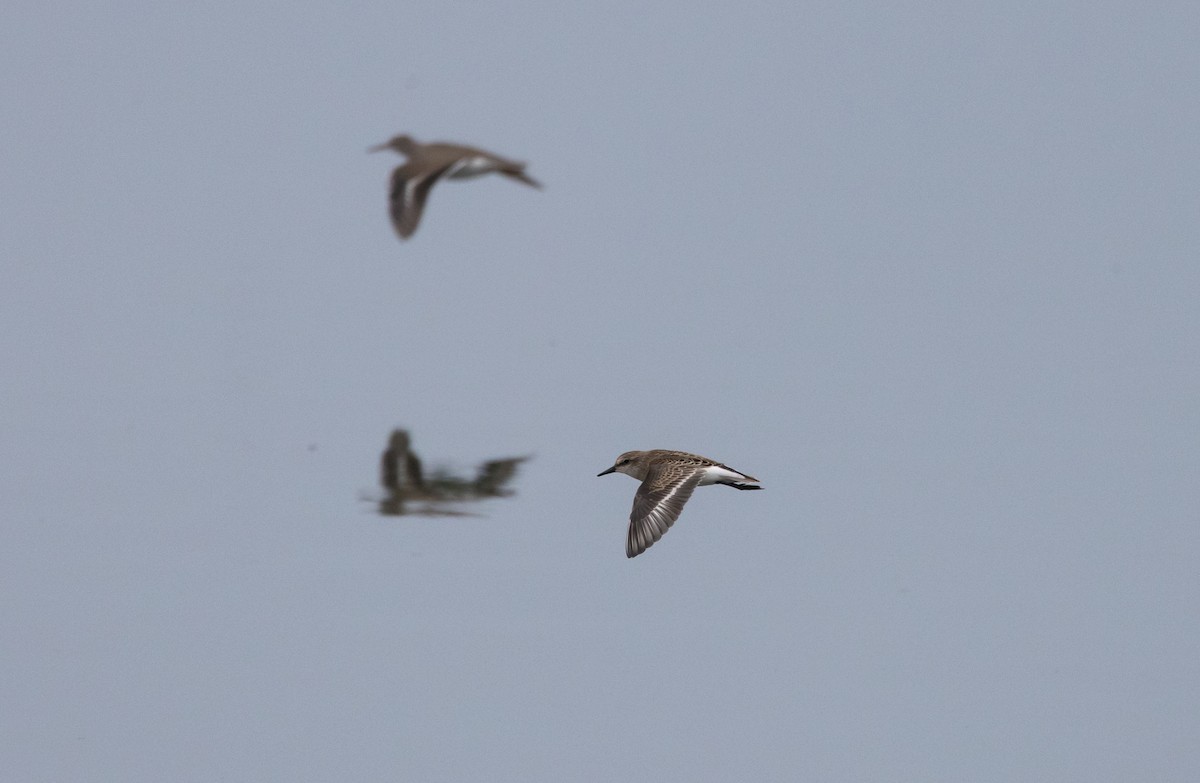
(426, 164)
(668, 478)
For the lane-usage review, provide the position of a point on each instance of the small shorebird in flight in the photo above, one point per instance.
(668, 478)
(403, 479)
(428, 163)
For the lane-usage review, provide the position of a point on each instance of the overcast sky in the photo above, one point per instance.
(928, 270)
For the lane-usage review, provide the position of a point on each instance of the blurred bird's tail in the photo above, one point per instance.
(518, 173)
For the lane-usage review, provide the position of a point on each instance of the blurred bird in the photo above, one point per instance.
(428, 163)
(403, 480)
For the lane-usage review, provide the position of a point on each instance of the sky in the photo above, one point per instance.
(927, 270)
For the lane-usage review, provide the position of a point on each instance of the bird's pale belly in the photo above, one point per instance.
(471, 167)
(714, 473)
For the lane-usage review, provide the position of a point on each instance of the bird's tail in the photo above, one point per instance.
(518, 173)
(739, 485)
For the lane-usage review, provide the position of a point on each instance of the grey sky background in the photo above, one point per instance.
(927, 270)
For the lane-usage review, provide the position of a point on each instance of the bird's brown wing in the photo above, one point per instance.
(656, 506)
(409, 192)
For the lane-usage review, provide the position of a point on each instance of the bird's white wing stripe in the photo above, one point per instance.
(659, 513)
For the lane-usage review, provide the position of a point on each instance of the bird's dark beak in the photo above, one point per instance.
(606, 472)
(378, 147)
